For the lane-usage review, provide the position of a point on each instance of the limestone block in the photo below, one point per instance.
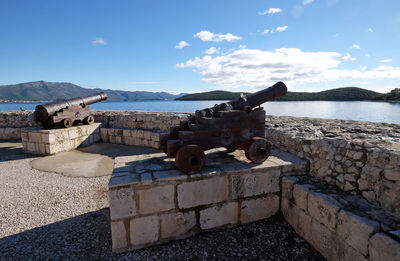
(303, 227)
(382, 247)
(73, 133)
(48, 138)
(34, 137)
(202, 192)
(219, 215)
(323, 209)
(118, 235)
(176, 224)
(144, 230)
(31, 147)
(122, 203)
(24, 135)
(256, 209)
(356, 230)
(156, 199)
(392, 174)
(252, 184)
(126, 133)
(287, 186)
(323, 240)
(104, 134)
(300, 193)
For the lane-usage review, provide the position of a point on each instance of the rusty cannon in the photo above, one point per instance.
(237, 124)
(67, 113)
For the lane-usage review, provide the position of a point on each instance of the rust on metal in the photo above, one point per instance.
(67, 113)
(237, 124)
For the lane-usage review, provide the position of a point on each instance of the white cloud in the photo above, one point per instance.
(367, 55)
(256, 69)
(363, 68)
(355, 46)
(211, 50)
(278, 29)
(386, 60)
(348, 57)
(370, 30)
(242, 46)
(181, 45)
(265, 31)
(99, 41)
(306, 2)
(282, 28)
(207, 36)
(271, 11)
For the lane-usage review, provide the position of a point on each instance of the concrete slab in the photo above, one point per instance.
(92, 161)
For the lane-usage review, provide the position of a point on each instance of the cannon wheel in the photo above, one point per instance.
(257, 150)
(190, 158)
(88, 120)
(67, 123)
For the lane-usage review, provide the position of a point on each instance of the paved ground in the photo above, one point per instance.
(47, 215)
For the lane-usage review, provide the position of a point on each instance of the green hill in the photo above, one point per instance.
(50, 91)
(339, 94)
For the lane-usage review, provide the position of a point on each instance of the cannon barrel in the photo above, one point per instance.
(44, 111)
(248, 102)
(258, 98)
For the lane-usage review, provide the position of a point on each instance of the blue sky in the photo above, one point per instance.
(190, 46)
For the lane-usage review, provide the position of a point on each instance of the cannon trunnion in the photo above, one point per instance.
(234, 125)
(67, 113)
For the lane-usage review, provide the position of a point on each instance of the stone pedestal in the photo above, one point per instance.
(47, 142)
(151, 202)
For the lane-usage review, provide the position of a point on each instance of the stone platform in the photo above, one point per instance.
(47, 142)
(151, 202)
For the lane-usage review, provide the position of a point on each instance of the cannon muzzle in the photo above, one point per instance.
(256, 99)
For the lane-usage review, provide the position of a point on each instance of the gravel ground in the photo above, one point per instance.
(48, 216)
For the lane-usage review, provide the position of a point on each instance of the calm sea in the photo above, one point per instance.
(363, 111)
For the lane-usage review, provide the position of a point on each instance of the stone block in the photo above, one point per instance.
(300, 193)
(256, 209)
(287, 186)
(126, 133)
(34, 137)
(355, 230)
(31, 147)
(323, 240)
(104, 134)
(202, 192)
(391, 174)
(156, 199)
(48, 138)
(176, 224)
(323, 209)
(252, 184)
(144, 230)
(219, 215)
(118, 235)
(122, 203)
(303, 227)
(73, 133)
(382, 247)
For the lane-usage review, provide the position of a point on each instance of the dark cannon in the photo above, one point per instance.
(67, 113)
(237, 124)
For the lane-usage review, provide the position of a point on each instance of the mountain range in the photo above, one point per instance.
(52, 91)
(338, 94)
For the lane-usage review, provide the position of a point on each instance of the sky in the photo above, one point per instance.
(196, 46)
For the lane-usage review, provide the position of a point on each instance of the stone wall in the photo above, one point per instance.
(47, 142)
(11, 123)
(359, 157)
(151, 202)
(339, 225)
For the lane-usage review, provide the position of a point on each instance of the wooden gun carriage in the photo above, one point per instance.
(237, 124)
